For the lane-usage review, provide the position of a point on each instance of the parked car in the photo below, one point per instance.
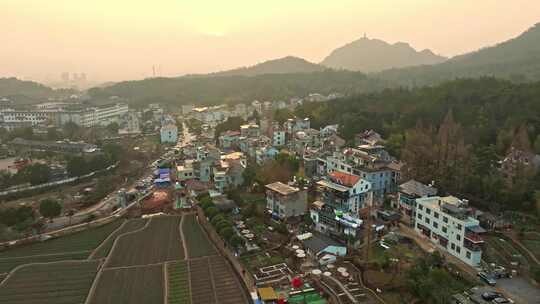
(502, 300)
(491, 295)
(500, 272)
(487, 278)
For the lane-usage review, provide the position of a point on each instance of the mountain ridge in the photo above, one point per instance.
(374, 55)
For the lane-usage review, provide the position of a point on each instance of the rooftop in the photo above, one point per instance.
(319, 242)
(413, 187)
(345, 179)
(282, 188)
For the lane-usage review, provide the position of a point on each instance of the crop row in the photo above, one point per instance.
(135, 285)
(197, 242)
(179, 292)
(159, 242)
(129, 226)
(56, 283)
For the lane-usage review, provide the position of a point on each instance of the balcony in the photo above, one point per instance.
(472, 246)
(473, 237)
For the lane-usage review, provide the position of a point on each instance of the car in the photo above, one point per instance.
(502, 300)
(491, 295)
(488, 278)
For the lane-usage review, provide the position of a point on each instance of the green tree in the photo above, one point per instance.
(35, 174)
(113, 128)
(50, 208)
(281, 115)
(71, 130)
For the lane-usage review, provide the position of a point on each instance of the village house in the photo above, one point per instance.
(284, 201)
(448, 222)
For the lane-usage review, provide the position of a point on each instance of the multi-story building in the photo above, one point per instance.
(264, 154)
(408, 193)
(382, 172)
(284, 201)
(278, 137)
(448, 223)
(228, 139)
(169, 133)
(250, 130)
(11, 119)
(345, 192)
(337, 213)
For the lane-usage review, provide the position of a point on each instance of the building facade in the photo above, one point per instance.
(448, 223)
(284, 201)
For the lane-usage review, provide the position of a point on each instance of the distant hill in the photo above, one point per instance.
(27, 92)
(285, 65)
(517, 59)
(235, 89)
(374, 55)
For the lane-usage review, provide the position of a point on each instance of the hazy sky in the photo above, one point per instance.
(123, 39)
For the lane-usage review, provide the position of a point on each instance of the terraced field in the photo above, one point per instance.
(179, 292)
(129, 226)
(57, 283)
(74, 246)
(135, 285)
(159, 242)
(198, 244)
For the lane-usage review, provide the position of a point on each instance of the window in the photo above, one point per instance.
(445, 219)
(427, 220)
(428, 211)
(419, 216)
(453, 246)
(444, 229)
(468, 254)
(458, 249)
(458, 237)
(459, 226)
(436, 214)
(435, 225)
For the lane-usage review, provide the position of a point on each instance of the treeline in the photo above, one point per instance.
(454, 134)
(237, 89)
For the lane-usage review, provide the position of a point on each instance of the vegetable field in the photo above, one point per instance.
(134, 285)
(198, 244)
(179, 292)
(129, 226)
(57, 283)
(159, 242)
(74, 246)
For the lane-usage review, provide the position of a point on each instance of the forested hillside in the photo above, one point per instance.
(234, 89)
(23, 92)
(454, 133)
(517, 59)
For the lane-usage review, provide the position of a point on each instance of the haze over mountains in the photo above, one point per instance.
(517, 59)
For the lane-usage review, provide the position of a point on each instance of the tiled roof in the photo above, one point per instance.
(345, 179)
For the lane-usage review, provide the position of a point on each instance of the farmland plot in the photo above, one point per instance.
(227, 285)
(179, 292)
(159, 242)
(129, 226)
(55, 283)
(198, 244)
(134, 285)
(202, 290)
(73, 246)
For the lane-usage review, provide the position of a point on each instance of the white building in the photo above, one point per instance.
(279, 138)
(169, 133)
(448, 223)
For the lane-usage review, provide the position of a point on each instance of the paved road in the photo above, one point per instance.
(520, 290)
